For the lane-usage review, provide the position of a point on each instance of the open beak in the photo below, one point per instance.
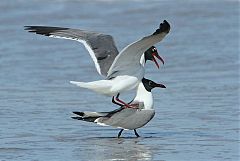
(160, 86)
(157, 56)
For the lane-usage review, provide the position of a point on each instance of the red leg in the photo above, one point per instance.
(122, 102)
(113, 101)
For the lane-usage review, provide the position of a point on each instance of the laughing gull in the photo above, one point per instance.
(103, 51)
(126, 72)
(127, 118)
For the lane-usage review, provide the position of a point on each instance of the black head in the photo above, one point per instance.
(151, 53)
(149, 85)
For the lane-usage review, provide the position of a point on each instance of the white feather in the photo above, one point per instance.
(91, 54)
(144, 96)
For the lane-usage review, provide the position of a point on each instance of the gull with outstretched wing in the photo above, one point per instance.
(123, 70)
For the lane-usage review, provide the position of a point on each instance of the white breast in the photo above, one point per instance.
(144, 96)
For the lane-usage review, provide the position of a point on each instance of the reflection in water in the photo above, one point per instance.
(104, 148)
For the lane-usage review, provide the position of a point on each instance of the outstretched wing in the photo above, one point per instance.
(101, 47)
(130, 56)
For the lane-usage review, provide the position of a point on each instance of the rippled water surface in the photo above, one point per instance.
(197, 116)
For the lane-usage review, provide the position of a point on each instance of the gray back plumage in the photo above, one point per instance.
(126, 118)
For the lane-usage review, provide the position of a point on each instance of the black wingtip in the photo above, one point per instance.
(44, 30)
(26, 27)
(78, 113)
(77, 118)
(163, 27)
(29, 28)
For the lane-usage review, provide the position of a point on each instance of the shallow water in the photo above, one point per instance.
(197, 116)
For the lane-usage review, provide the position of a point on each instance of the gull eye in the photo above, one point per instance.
(150, 83)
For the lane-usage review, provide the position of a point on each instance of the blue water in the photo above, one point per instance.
(197, 116)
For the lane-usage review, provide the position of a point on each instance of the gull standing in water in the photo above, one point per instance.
(127, 118)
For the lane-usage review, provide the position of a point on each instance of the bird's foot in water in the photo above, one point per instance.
(135, 132)
(137, 135)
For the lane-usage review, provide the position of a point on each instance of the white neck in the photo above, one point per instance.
(144, 96)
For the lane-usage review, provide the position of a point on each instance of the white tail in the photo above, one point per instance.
(80, 84)
(101, 86)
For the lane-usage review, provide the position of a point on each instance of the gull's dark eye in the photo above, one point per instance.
(150, 83)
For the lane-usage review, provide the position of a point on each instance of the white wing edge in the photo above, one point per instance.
(103, 124)
(86, 46)
(100, 123)
(142, 60)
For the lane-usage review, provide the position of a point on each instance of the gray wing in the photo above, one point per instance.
(127, 118)
(101, 47)
(130, 56)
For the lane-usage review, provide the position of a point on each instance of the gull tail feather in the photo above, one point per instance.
(101, 86)
(80, 84)
(89, 116)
